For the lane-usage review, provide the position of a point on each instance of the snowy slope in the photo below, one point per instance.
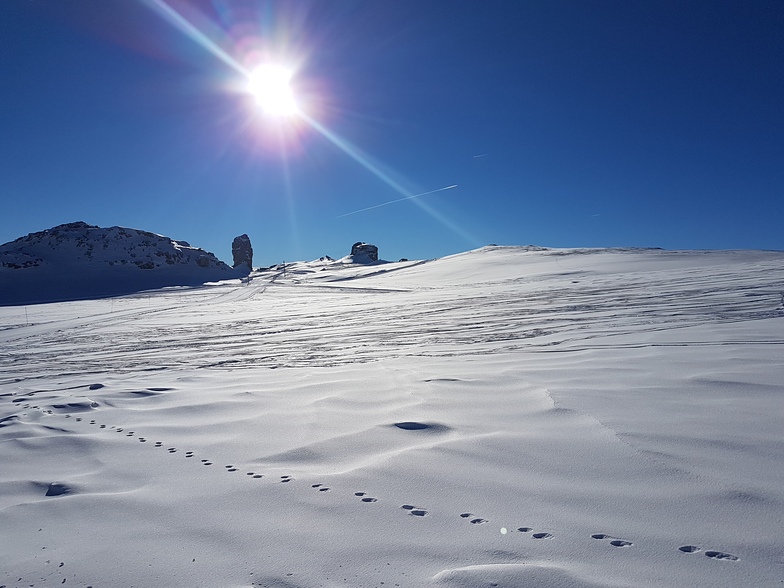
(504, 417)
(77, 261)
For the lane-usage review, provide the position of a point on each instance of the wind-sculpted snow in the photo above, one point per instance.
(504, 417)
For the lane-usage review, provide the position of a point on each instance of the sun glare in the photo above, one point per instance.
(270, 85)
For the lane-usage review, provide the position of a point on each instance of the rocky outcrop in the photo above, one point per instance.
(364, 252)
(242, 251)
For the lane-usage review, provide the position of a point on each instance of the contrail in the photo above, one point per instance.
(398, 200)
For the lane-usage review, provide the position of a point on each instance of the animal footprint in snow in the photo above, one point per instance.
(415, 511)
(721, 556)
(172, 450)
(206, 462)
(615, 541)
(320, 487)
(189, 454)
(525, 529)
(363, 496)
(142, 440)
(230, 468)
(542, 536)
(474, 520)
(689, 548)
(285, 479)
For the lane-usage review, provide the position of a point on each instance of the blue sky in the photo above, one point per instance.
(562, 123)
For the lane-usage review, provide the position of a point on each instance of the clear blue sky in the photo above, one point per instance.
(563, 123)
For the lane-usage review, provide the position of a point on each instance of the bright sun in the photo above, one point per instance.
(269, 84)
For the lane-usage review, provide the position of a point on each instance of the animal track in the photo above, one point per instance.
(615, 541)
(721, 556)
(415, 511)
(475, 520)
(411, 509)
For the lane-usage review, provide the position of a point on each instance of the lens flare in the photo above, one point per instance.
(270, 84)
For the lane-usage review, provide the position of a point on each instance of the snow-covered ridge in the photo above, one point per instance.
(78, 261)
(78, 242)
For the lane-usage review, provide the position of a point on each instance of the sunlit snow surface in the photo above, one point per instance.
(504, 417)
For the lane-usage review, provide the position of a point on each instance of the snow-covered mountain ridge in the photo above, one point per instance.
(77, 260)
(78, 242)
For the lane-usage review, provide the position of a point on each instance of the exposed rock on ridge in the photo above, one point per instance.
(364, 252)
(242, 252)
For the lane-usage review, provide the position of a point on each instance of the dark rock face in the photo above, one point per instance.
(364, 252)
(242, 251)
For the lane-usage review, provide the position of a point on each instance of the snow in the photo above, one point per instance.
(509, 416)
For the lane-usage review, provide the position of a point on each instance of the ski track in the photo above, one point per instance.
(274, 323)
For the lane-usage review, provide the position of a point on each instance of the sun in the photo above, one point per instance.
(271, 86)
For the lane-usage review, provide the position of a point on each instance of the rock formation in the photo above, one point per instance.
(242, 251)
(364, 252)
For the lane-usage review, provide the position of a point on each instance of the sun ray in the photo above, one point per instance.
(271, 88)
(181, 23)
